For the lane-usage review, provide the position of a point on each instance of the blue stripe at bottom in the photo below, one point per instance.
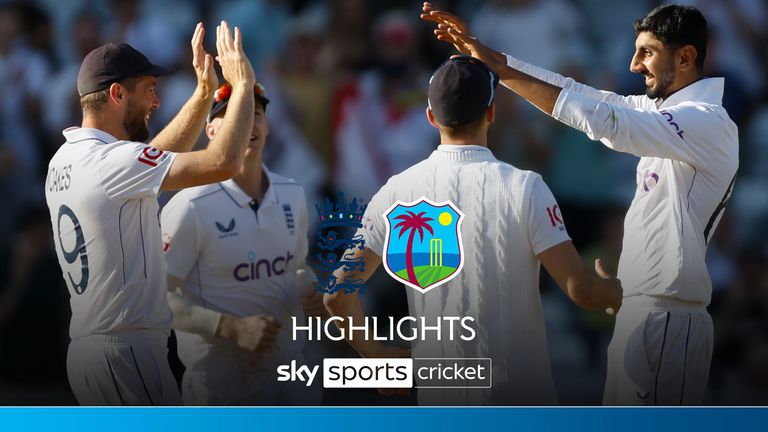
(382, 419)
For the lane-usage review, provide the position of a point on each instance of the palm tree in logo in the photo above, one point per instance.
(412, 222)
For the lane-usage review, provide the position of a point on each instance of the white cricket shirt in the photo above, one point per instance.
(688, 149)
(235, 260)
(510, 217)
(102, 195)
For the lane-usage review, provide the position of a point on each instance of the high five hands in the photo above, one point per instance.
(235, 66)
(202, 62)
(453, 30)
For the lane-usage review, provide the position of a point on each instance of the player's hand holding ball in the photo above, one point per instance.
(615, 286)
(235, 66)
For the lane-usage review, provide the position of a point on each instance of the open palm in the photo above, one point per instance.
(203, 63)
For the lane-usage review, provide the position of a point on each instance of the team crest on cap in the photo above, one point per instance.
(423, 246)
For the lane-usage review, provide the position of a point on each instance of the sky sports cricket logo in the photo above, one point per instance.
(423, 247)
(392, 373)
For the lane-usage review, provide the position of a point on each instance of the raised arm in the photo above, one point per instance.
(690, 133)
(517, 75)
(182, 132)
(223, 157)
(570, 84)
(454, 31)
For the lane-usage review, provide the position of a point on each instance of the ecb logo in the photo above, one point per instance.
(423, 243)
(338, 222)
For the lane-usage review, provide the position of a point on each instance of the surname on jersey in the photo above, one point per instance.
(59, 178)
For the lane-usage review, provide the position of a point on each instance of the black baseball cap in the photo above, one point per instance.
(112, 63)
(222, 94)
(461, 90)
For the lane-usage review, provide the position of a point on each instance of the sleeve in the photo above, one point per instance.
(680, 132)
(180, 237)
(134, 170)
(570, 84)
(546, 227)
(374, 228)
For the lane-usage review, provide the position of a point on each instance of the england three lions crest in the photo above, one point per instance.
(423, 246)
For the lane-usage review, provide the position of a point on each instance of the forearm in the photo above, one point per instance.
(590, 291)
(230, 142)
(192, 318)
(182, 132)
(545, 75)
(349, 308)
(541, 94)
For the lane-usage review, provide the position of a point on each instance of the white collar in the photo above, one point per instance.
(462, 153)
(243, 199)
(76, 134)
(707, 90)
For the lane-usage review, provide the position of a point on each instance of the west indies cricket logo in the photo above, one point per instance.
(423, 246)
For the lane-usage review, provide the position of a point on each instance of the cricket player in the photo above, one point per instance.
(507, 232)
(236, 251)
(101, 190)
(688, 148)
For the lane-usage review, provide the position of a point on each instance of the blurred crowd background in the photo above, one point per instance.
(347, 80)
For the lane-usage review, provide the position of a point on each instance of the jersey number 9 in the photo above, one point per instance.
(78, 251)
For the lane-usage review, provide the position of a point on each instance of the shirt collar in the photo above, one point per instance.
(75, 134)
(462, 153)
(243, 199)
(707, 90)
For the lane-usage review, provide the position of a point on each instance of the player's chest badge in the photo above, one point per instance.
(423, 246)
(227, 230)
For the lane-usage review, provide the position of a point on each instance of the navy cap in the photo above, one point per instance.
(222, 94)
(111, 63)
(461, 90)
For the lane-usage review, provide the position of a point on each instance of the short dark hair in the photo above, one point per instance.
(94, 102)
(676, 26)
(465, 130)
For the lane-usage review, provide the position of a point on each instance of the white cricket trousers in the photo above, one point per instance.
(660, 353)
(124, 368)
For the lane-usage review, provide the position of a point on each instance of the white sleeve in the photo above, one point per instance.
(685, 132)
(180, 237)
(134, 170)
(572, 85)
(374, 228)
(546, 227)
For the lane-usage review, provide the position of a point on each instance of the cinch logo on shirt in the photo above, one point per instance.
(672, 123)
(262, 268)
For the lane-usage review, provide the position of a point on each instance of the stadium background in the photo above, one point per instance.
(347, 79)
